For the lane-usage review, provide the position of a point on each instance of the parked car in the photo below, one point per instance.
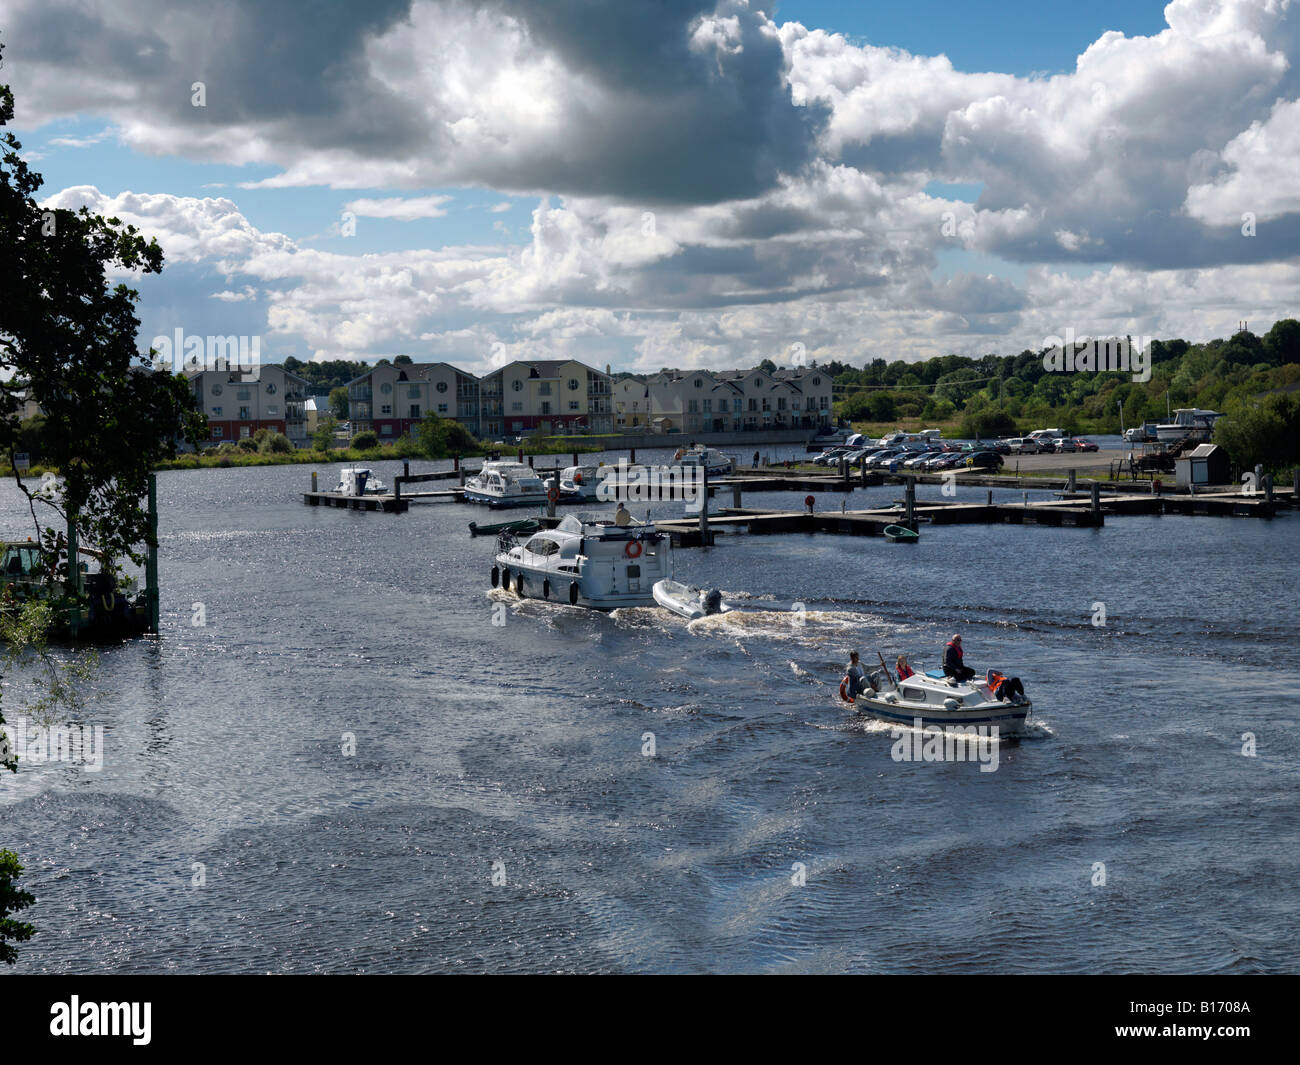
(1066, 443)
(882, 460)
(830, 456)
(917, 462)
(1086, 445)
(985, 460)
(1000, 446)
(1022, 446)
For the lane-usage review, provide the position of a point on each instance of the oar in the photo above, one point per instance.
(886, 669)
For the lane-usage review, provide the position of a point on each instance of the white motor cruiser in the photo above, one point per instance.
(940, 700)
(505, 484)
(579, 484)
(715, 463)
(585, 561)
(690, 603)
(1188, 420)
(359, 481)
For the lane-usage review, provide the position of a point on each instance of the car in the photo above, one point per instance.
(984, 460)
(1023, 446)
(1066, 443)
(1000, 446)
(917, 462)
(883, 460)
(1086, 445)
(830, 456)
(939, 461)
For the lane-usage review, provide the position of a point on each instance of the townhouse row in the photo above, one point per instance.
(541, 395)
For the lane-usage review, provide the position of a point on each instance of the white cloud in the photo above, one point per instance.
(404, 210)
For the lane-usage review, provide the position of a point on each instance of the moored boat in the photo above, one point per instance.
(523, 525)
(901, 534)
(359, 481)
(505, 484)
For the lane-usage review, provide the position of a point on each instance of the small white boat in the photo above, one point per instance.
(585, 561)
(505, 484)
(941, 701)
(690, 603)
(359, 481)
(579, 484)
(715, 463)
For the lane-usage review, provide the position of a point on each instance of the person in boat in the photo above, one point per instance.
(857, 676)
(622, 516)
(902, 668)
(1006, 689)
(953, 666)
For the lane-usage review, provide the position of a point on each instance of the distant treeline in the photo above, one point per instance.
(997, 395)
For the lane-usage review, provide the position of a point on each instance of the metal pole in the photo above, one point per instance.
(704, 506)
(313, 480)
(1096, 497)
(911, 500)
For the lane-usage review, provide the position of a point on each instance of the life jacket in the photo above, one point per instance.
(957, 648)
(904, 672)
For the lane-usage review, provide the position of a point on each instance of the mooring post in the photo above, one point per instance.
(911, 501)
(1070, 485)
(552, 492)
(631, 457)
(704, 506)
(575, 458)
(406, 469)
(988, 498)
(397, 489)
(1096, 497)
(455, 463)
(521, 455)
(862, 465)
(313, 480)
(530, 462)
(151, 560)
(735, 495)
(1268, 488)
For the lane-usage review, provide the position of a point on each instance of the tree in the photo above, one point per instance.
(323, 438)
(403, 360)
(71, 339)
(1263, 433)
(767, 366)
(365, 440)
(440, 437)
(339, 403)
(12, 899)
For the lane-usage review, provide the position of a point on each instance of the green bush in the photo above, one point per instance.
(247, 444)
(275, 444)
(365, 440)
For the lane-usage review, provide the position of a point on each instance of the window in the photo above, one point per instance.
(415, 410)
(385, 388)
(216, 390)
(544, 389)
(816, 381)
(914, 695)
(573, 404)
(546, 408)
(518, 386)
(442, 408)
(753, 404)
(216, 412)
(708, 406)
(244, 415)
(699, 382)
(386, 429)
(573, 384)
(216, 432)
(386, 408)
(516, 408)
(694, 406)
(442, 386)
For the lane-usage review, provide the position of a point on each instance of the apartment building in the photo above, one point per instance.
(725, 401)
(391, 399)
(237, 408)
(546, 396)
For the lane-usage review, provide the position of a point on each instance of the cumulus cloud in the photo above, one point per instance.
(404, 210)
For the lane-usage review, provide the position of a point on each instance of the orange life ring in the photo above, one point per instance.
(633, 549)
(553, 493)
(844, 690)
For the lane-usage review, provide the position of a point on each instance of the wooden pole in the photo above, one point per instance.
(151, 561)
(911, 502)
(313, 480)
(1096, 497)
(735, 495)
(886, 668)
(704, 506)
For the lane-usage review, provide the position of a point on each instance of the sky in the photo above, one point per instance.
(687, 183)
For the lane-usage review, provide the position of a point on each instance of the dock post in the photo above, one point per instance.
(1268, 488)
(313, 480)
(461, 470)
(735, 495)
(863, 467)
(1070, 486)
(455, 463)
(1295, 485)
(397, 490)
(988, 498)
(530, 462)
(151, 560)
(520, 457)
(911, 501)
(631, 457)
(575, 458)
(406, 469)
(1096, 497)
(704, 506)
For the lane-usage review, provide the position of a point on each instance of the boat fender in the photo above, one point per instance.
(505, 578)
(633, 549)
(890, 697)
(496, 576)
(844, 690)
(519, 584)
(950, 704)
(546, 588)
(573, 594)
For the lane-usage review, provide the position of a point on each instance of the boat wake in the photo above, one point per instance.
(812, 628)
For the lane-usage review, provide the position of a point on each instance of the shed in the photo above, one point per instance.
(1206, 464)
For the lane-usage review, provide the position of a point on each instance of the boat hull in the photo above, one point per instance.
(1009, 718)
(530, 499)
(554, 587)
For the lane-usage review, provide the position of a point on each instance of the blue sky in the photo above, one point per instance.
(679, 184)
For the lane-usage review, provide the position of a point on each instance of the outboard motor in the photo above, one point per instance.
(712, 602)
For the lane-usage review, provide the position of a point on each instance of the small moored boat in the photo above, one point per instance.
(359, 481)
(690, 603)
(901, 534)
(523, 525)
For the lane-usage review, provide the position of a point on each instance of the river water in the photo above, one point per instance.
(365, 760)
